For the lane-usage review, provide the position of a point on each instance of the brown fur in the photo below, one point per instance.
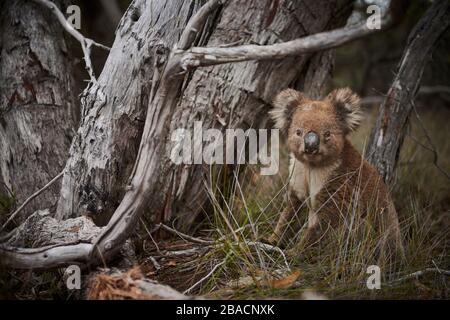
(336, 181)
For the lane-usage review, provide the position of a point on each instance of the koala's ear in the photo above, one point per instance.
(348, 107)
(284, 106)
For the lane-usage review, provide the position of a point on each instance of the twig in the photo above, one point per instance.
(434, 89)
(263, 246)
(155, 263)
(268, 247)
(205, 277)
(376, 99)
(86, 43)
(207, 56)
(34, 195)
(430, 141)
(185, 252)
(422, 272)
(183, 235)
(150, 234)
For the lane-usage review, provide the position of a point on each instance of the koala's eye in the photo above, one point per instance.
(327, 134)
(298, 132)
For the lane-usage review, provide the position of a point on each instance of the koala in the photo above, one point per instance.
(326, 172)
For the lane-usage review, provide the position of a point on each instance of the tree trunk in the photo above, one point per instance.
(105, 148)
(387, 136)
(38, 108)
(113, 112)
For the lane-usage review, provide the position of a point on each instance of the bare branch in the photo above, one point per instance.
(268, 247)
(430, 141)
(208, 56)
(421, 273)
(46, 257)
(86, 43)
(34, 195)
(183, 235)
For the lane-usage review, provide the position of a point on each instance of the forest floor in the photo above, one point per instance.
(232, 267)
(226, 260)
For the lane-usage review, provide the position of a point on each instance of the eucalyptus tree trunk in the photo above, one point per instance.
(38, 108)
(388, 134)
(113, 110)
(226, 96)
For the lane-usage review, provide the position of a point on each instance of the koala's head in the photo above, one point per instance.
(316, 129)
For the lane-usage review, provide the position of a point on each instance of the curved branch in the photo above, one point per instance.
(208, 56)
(45, 257)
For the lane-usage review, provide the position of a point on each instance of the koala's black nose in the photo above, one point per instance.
(312, 141)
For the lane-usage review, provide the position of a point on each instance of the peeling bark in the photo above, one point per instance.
(40, 229)
(37, 102)
(104, 150)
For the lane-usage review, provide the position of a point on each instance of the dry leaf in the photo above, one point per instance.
(171, 263)
(285, 282)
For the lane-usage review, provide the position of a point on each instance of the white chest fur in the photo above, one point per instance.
(307, 182)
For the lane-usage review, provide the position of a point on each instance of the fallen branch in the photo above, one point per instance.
(34, 195)
(421, 273)
(186, 252)
(85, 43)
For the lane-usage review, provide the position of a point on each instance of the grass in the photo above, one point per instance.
(237, 266)
(246, 211)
